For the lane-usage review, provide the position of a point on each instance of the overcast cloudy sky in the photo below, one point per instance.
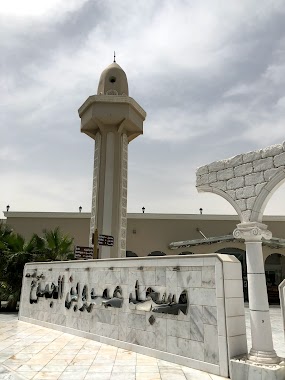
(210, 75)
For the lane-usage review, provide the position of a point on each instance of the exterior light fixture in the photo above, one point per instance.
(7, 208)
(80, 208)
(201, 210)
(143, 209)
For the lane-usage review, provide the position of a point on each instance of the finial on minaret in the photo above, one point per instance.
(114, 56)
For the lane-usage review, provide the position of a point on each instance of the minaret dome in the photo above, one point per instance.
(113, 81)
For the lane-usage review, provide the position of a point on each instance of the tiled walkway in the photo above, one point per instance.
(28, 351)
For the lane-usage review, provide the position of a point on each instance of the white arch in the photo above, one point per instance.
(263, 197)
(215, 190)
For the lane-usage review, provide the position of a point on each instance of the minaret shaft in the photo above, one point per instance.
(110, 165)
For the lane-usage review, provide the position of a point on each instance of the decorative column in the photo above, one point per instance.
(94, 206)
(262, 350)
(122, 235)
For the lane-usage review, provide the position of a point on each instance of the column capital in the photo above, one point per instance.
(252, 232)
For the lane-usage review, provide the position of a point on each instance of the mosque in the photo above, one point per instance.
(188, 306)
(113, 124)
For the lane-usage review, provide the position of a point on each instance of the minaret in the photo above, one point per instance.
(112, 119)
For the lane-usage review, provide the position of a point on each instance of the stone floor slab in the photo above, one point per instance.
(35, 352)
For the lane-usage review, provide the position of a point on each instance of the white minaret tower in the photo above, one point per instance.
(112, 119)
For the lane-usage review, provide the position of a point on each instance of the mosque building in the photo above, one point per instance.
(113, 119)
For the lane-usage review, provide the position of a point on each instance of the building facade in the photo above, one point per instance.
(172, 234)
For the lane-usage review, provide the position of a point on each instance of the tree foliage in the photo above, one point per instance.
(56, 245)
(15, 252)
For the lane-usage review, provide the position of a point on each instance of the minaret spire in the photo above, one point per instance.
(114, 56)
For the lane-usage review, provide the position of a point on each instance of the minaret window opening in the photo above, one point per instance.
(112, 79)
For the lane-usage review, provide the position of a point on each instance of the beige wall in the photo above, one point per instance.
(76, 227)
(156, 234)
(147, 232)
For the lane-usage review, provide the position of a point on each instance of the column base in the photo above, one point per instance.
(263, 357)
(243, 369)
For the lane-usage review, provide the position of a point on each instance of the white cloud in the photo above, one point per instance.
(9, 154)
(211, 78)
(35, 8)
(44, 192)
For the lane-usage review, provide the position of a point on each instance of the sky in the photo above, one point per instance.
(210, 75)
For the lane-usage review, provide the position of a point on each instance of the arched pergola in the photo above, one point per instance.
(247, 182)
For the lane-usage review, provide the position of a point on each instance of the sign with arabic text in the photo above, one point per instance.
(106, 240)
(83, 253)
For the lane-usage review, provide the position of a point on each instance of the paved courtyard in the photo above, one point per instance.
(29, 351)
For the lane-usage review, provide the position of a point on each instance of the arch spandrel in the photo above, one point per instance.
(215, 190)
(265, 194)
(246, 181)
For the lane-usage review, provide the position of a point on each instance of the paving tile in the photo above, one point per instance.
(92, 344)
(148, 376)
(85, 356)
(172, 374)
(102, 361)
(147, 361)
(163, 363)
(11, 350)
(98, 376)
(76, 369)
(110, 349)
(124, 369)
(88, 351)
(125, 362)
(147, 368)
(101, 368)
(198, 375)
(80, 361)
(54, 351)
(4, 356)
(32, 349)
(30, 367)
(48, 375)
(28, 374)
(54, 368)
(125, 353)
(20, 356)
(123, 376)
(6, 374)
(66, 351)
(38, 361)
(60, 361)
(106, 356)
(13, 364)
(72, 376)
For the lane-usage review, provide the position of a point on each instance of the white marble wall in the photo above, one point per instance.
(211, 332)
(241, 179)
